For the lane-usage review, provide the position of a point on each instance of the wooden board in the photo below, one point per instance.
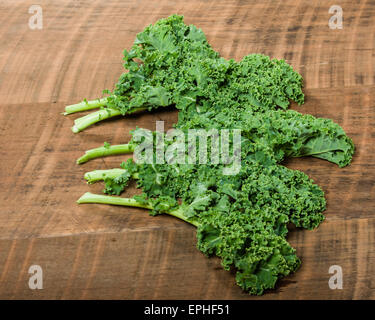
(97, 251)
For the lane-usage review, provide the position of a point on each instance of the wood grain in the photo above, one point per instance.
(97, 251)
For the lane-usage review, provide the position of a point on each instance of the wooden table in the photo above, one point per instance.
(98, 251)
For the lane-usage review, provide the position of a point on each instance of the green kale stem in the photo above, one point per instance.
(99, 175)
(85, 105)
(94, 117)
(89, 197)
(106, 151)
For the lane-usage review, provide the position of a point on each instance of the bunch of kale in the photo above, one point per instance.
(241, 218)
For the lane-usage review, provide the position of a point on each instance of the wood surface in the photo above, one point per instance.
(107, 252)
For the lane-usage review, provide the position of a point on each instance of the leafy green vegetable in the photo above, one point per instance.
(171, 63)
(242, 218)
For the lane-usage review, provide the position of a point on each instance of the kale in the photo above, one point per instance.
(242, 218)
(171, 63)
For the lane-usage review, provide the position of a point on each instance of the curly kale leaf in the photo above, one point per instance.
(247, 243)
(171, 63)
